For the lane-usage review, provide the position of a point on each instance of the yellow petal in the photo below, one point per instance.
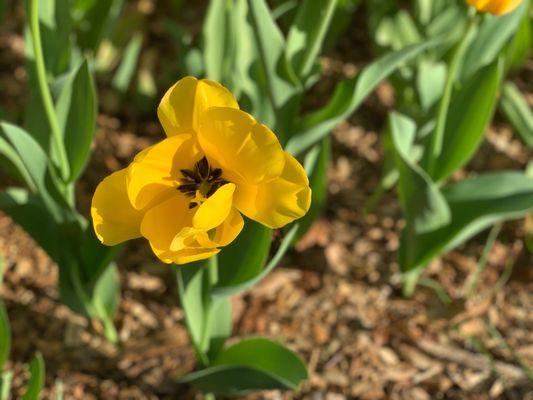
(114, 218)
(190, 255)
(215, 209)
(279, 201)
(230, 229)
(496, 7)
(248, 152)
(168, 227)
(164, 221)
(155, 172)
(183, 103)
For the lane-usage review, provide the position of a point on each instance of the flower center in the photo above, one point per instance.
(201, 182)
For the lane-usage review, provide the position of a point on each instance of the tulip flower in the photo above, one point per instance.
(186, 193)
(496, 7)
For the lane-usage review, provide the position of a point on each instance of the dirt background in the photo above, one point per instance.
(336, 299)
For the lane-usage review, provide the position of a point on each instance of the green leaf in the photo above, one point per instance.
(28, 211)
(245, 258)
(192, 291)
(36, 382)
(128, 65)
(518, 112)
(348, 96)
(34, 166)
(76, 113)
(32, 161)
(221, 326)
(316, 165)
(281, 82)
(105, 296)
(217, 32)
(5, 335)
(430, 82)
(471, 109)
(521, 45)
(5, 384)
(307, 35)
(397, 31)
(475, 204)
(250, 365)
(95, 18)
(423, 204)
(249, 274)
(493, 34)
(55, 26)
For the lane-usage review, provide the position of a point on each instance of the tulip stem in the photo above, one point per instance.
(44, 90)
(436, 139)
(212, 278)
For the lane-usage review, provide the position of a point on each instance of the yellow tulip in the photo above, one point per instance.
(496, 7)
(186, 193)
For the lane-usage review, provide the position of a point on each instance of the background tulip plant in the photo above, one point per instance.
(243, 156)
(447, 100)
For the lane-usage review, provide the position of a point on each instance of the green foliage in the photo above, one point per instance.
(517, 112)
(36, 382)
(5, 336)
(457, 93)
(470, 111)
(49, 157)
(422, 202)
(76, 113)
(475, 205)
(251, 364)
(123, 76)
(349, 95)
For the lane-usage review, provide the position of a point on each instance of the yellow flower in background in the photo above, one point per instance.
(496, 7)
(186, 193)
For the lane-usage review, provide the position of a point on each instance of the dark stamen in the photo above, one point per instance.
(202, 167)
(203, 179)
(187, 187)
(188, 174)
(215, 174)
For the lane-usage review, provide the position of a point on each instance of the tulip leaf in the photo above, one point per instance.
(33, 164)
(316, 165)
(208, 318)
(193, 294)
(245, 258)
(76, 112)
(105, 296)
(5, 335)
(307, 33)
(250, 365)
(349, 94)
(520, 47)
(28, 211)
(130, 58)
(95, 19)
(518, 112)
(281, 82)
(30, 159)
(6, 378)
(219, 45)
(493, 34)
(423, 204)
(36, 383)
(475, 204)
(430, 82)
(470, 111)
(239, 276)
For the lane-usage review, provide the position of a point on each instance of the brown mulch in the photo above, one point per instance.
(336, 299)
